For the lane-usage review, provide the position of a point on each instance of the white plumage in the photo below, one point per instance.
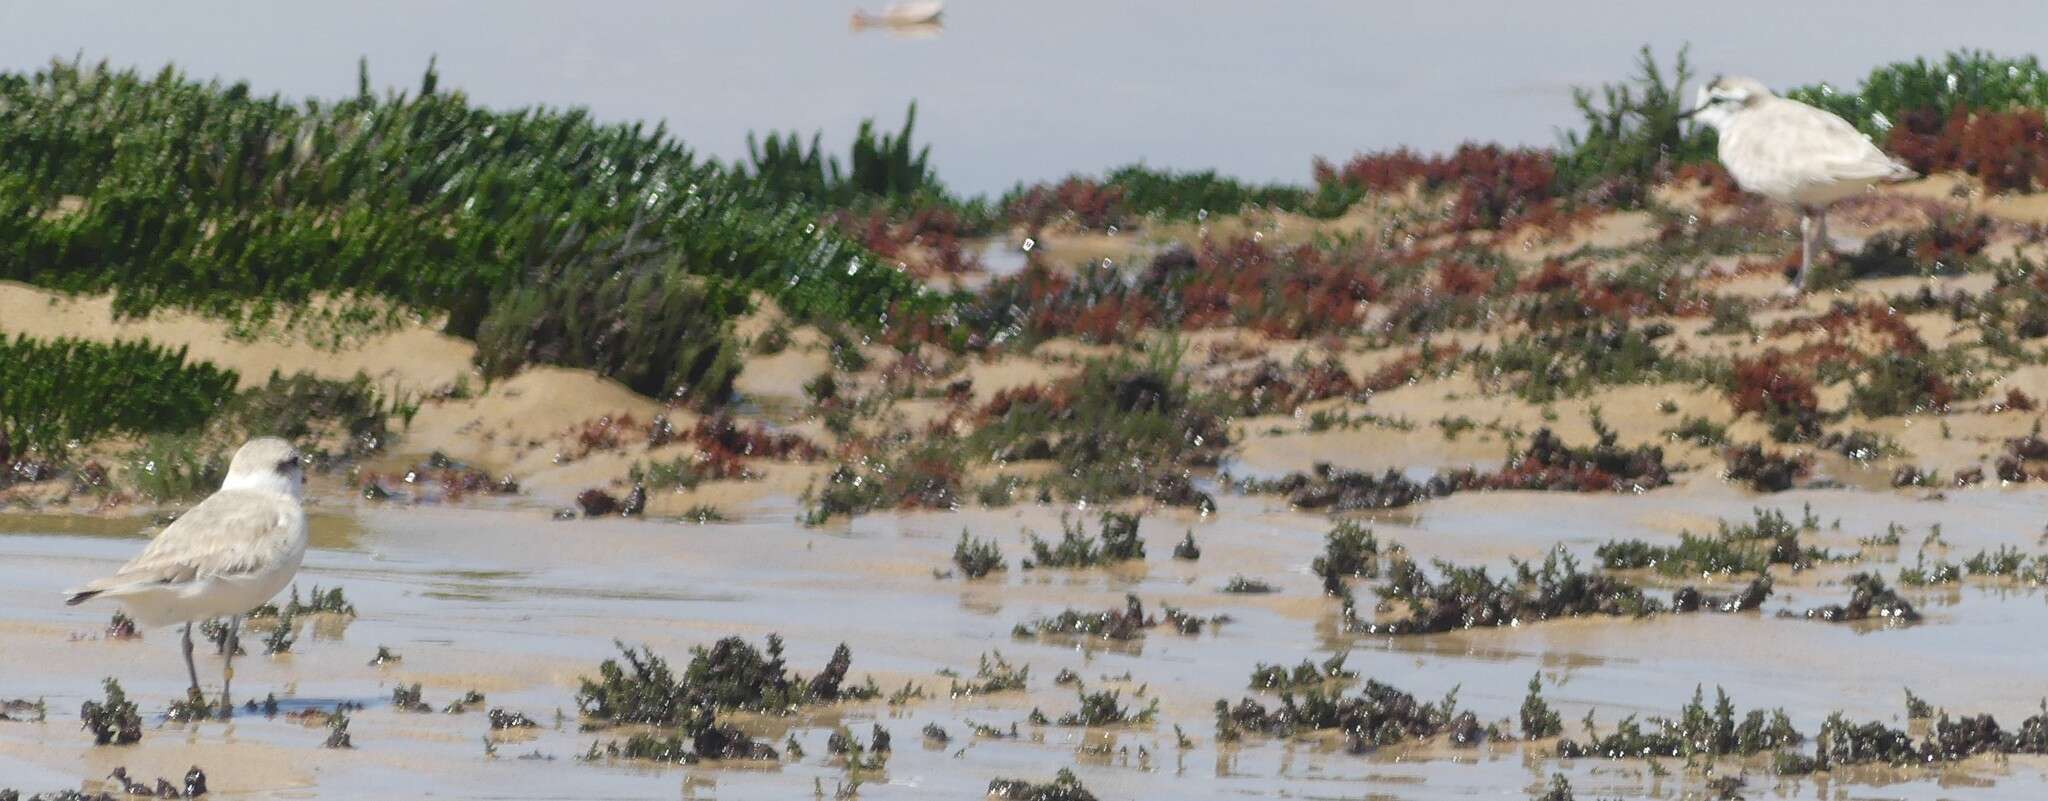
(1793, 153)
(907, 13)
(231, 553)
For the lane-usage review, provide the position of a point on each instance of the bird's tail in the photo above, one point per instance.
(81, 596)
(1900, 172)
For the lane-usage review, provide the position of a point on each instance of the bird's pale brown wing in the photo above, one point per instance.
(231, 532)
(1825, 148)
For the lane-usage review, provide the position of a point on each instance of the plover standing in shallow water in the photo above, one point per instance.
(1793, 153)
(229, 554)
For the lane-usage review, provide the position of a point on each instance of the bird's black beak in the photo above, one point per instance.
(1688, 113)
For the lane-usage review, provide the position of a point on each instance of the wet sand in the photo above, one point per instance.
(508, 603)
(495, 597)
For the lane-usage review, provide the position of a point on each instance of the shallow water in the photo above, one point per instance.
(519, 607)
(1028, 91)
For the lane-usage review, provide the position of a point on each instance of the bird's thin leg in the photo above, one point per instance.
(191, 671)
(1805, 250)
(227, 673)
(1820, 224)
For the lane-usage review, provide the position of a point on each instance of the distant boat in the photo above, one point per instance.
(905, 14)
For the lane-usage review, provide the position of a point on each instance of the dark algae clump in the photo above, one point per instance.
(337, 730)
(1349, 550)
(1697, 731)
(1467, 597)
(506, 719)
(1868, 598)
(1127, 623)
(1305, 676)
(194, 786)
(994, 675)
(407, 699)
(977, 558)
(18, 710)
(1118, 541)
(1844, 742)
(1379, 715)
(1105, 708)
(1765, 471)
(1063, 787)
(729, 676)
(1771, 539)
(1548, 464)
(1538, 720)
(112, 720)
(1341, 490)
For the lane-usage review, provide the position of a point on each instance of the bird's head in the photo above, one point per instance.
(268, 464)
(1716, 102)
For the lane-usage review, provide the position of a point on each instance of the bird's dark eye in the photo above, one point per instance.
(288, 464)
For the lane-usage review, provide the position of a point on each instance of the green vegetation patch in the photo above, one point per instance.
(537, 225)
(57, 392)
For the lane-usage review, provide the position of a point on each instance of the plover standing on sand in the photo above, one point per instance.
(231, 553)
(1793, 153)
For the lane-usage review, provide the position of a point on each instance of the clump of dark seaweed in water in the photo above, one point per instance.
(194, 787)
(505, 719)
(1752, 597)
(1868, 598)
(407, 699)
(438, 479)
(1305, 676)
(461, 705)
(1341, 490)
(337, 729)
(1379, 715)
(114, 719)
(711, 740)
(1697, 731)
(1548, 464)
(859, 756)
(21, 710)
(283, 635)
(1771, 539)
(1844, 742)
(1466, 597)
(1765, 471)
(977, 558)
(729, 676)
(596, 503)
(321, 602)
(1118, 542)
(995, 675)
(215, 631)
(1349, 550)
(122, 627)
(1551, 465)
(1128, 623)
(1105, 708)
(267, 707)
(193, 706)
(1187, 549)
(1538, 720)
(1063, 787)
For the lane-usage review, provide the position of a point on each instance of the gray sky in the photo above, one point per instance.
(1025, 90)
